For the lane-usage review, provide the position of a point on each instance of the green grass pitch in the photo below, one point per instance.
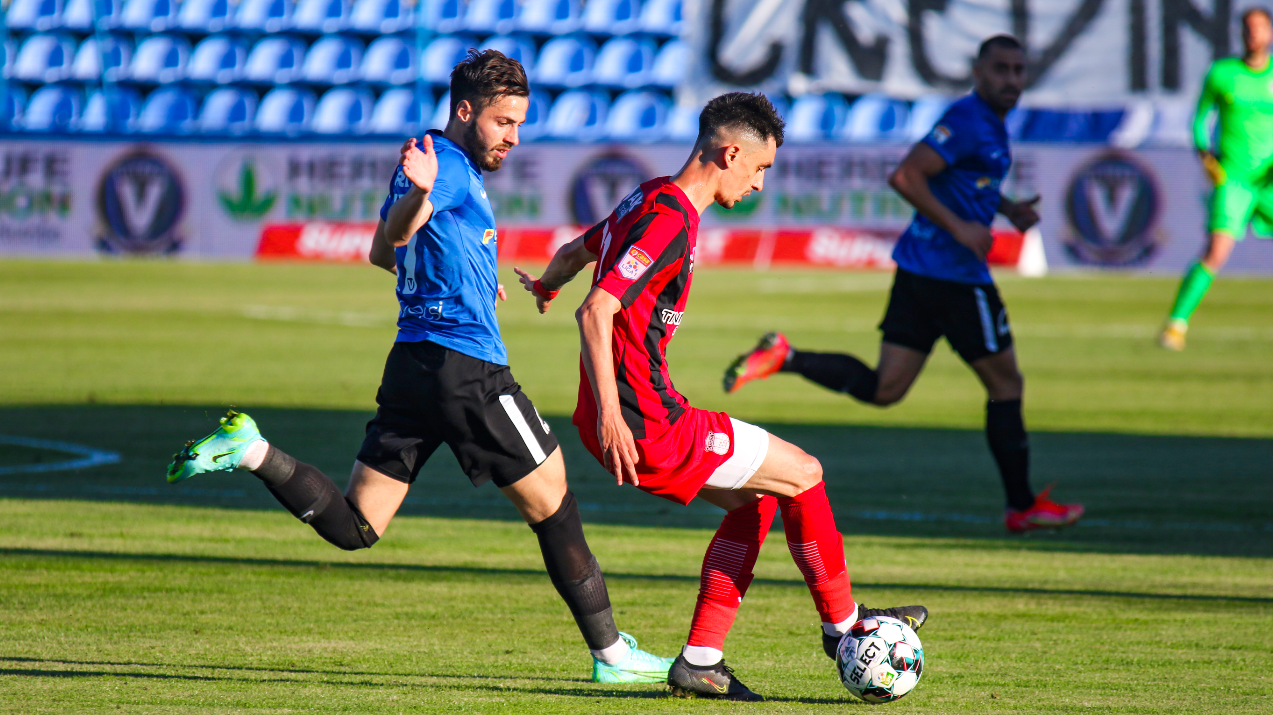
(121, 593)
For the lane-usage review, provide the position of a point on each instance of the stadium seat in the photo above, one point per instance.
(343, 110)
(578, 114)
(168, 110)
(669, 65)
(267, 16)
(11, 105)
(662, 17)
(549, 17)
(219, 59)
(536, 117)
(124, 105)
(815, 117)
(320, 16)
(442, 55)
(53, 108)
(876, 118)
(227, 110)
(682, 123)
(46, 57)
(624, 63)
(612, 17)
(34, 15)
(333, 60)
(381, 17)
(88, 60)
(389, 60)
(517, 47)
(925, 113)
(205, 15)
(285, 110)
(399, 113)
(1069, 126)
(160, 59)
(497, 16)
(565, 62)
(86, 15)
(149, 15)
(639, 116)
(444, 16)
(441, 112)
(275, 60)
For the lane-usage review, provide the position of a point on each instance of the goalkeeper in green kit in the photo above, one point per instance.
(1240, 166)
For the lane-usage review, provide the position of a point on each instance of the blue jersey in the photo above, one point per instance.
(446, 272)
(974, 143)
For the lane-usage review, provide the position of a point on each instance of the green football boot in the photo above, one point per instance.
(220, 451)
(638, 667)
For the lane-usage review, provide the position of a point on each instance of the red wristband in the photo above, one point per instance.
(542, 291)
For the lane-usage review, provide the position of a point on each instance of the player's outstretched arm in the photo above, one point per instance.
(565, 265)
(409, 213)
(596, 330)
(381, 253)
(1022, 214)
(910, 179)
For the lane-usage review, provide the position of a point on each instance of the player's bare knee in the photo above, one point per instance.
(889, 395)
(808, 472)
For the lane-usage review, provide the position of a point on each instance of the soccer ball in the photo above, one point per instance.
(880, 659)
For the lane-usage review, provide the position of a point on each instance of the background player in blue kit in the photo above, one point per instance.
(943, 286)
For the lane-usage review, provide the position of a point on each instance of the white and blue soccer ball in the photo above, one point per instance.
(880, 659)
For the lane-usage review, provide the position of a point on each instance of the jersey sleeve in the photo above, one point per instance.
(953, 137)
(1202, 117)
(594, 237)
(449, 188)
(660, 241)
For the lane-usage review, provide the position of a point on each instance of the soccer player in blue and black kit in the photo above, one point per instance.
(447, 378)
(943, 286)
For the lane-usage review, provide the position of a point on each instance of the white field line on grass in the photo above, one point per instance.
(88, 456)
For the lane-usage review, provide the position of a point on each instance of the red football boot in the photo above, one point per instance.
(1045, 514)
(764, 360)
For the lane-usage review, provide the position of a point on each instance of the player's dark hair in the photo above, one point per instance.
(483, 77)
(1246, 14)
(1007, 42)
(751, 112)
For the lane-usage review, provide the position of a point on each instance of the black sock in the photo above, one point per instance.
(314, 499)
(576, 575)
(1005, 431)
(842, 373)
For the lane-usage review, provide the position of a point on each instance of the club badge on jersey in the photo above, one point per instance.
(634, 263)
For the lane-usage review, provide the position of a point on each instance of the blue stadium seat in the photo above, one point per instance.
(876, 118)
(320, 16)
(80, 14)
(219, 59)
(88, 60)
(491, 16)
(441, 112)
(444, 16)
(578, 114)
(624, 63)
(565, 62)
(389, 60)
(344, 110)
(275, 60)
(37, 15)
(381, 17)
(638, 116)
(442, 55)
(11, 105)
(228, 110)
(682, 123)
(662, 17)
(549, 17)
(1083, 126)
(815, 117)
(124, 108)
(53, 108)
(669, 64)
(536, 117)
(333, 60)
(285, 110)
(46, 57)
(205, 15)
(267, 16)
(168, 110)
(518, 47)
(924, 114)
(161, 59)
(612, 17)
(149, 15)
(398, 113)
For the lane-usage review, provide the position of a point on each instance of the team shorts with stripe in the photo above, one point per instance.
(922, 309)
(432, 395)
(1240, 201)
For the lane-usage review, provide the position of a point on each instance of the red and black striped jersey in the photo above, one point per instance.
(645, 259)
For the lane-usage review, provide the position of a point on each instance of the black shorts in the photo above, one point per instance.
(431, 394)
(921, 310)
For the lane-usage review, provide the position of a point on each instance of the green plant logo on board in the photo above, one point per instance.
(742, 210)
(245, 187)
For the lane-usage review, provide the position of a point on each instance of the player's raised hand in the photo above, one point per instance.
(528, 282)
(420, 163)
(976, 237)
(618, 448)
(1022, 214)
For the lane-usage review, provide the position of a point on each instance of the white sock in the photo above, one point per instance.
(701, 655)
(839, 629)
(254, 455)
(614, 653)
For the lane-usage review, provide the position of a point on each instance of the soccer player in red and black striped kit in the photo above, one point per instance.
(646, 433)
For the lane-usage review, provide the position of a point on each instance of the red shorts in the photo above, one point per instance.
(676, 464)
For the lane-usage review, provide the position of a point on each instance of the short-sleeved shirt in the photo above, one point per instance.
(447, 272)
(974, 142)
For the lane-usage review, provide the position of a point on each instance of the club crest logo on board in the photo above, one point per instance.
(1112, 206)
(140, 201)
(634, 263)
(602, 184)
(717, 442)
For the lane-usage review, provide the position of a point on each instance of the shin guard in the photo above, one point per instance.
(314, 499)
(727, 571)
(818, 550)
(576, 575)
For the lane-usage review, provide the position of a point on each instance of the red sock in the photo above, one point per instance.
(727, 571)
(818, 550)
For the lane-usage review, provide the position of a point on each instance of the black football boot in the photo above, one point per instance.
(913, 616)
(708, 681)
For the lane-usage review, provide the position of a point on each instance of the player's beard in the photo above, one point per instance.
(484, 156)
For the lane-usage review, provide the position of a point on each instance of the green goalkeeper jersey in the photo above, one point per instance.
(1243, 98)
